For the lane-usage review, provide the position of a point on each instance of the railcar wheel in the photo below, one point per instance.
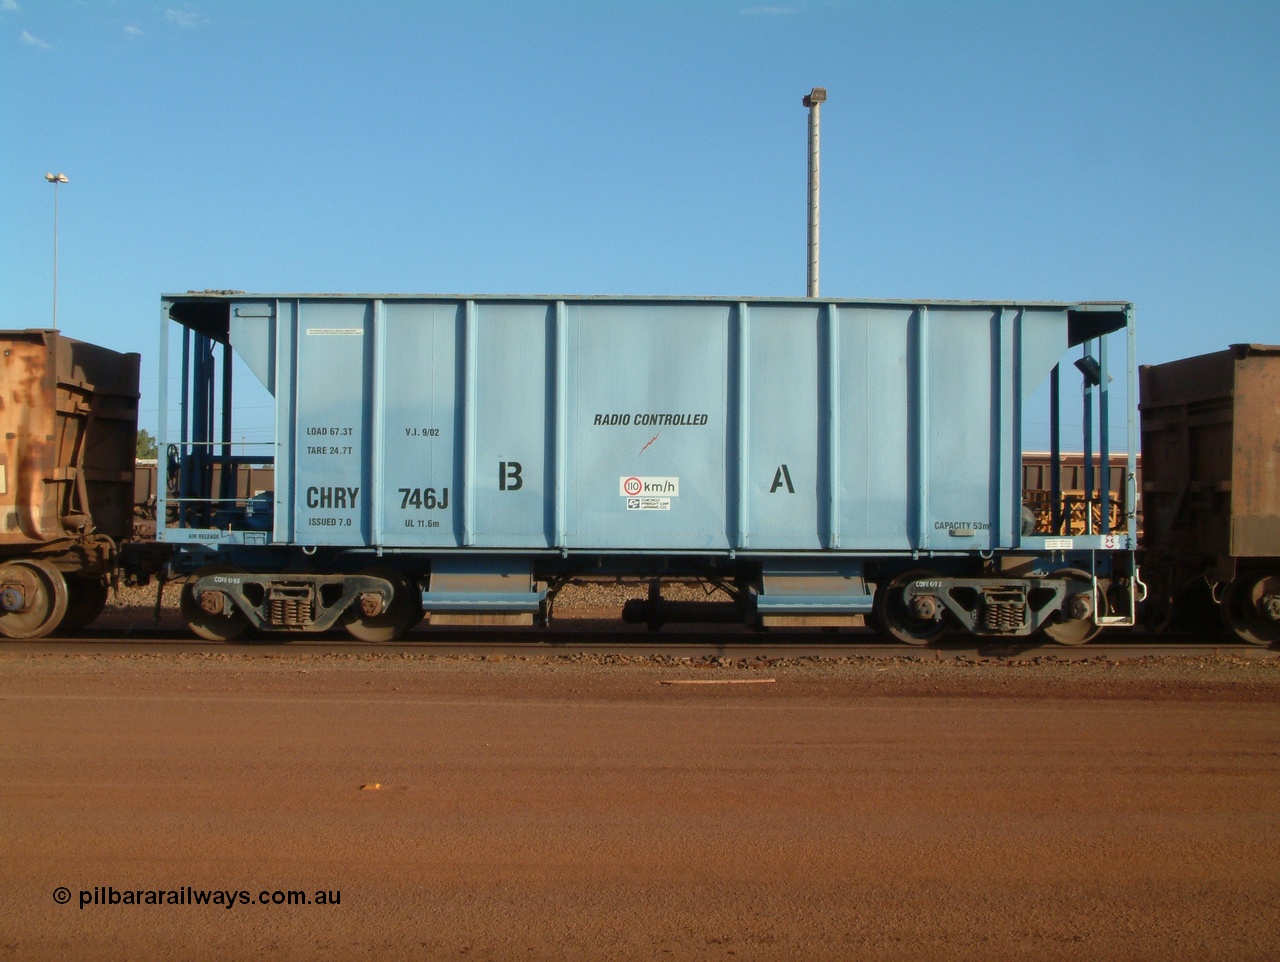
(86, 597)
(891, 613)
(213, 616)
(387, 623)
(33, 599)
(1252, 608)
(1078, 631)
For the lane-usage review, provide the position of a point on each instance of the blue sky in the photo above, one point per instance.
(990, 150)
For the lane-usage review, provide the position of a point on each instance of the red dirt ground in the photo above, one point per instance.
(551, 809)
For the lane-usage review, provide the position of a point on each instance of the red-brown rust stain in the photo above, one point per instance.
(25, 365)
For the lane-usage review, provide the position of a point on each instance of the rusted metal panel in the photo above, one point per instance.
(68, 420)
(28, 455)
(1211, 453)
(1255, 471)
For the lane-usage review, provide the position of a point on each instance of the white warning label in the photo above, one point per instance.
(655, 487)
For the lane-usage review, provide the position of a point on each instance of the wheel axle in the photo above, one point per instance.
(11, 599)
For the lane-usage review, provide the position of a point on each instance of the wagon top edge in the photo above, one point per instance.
(1103, 306)
(209, 311)
(49, 335)
(1235, 352)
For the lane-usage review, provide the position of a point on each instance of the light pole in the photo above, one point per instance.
(813, 100)
(55, 179)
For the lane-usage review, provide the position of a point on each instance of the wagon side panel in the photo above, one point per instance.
(787, 471)
(513, 480)
(1187, 417)
(1255, 455)
(647, 425)
(98, 414)
(331, 424)
(28, 448)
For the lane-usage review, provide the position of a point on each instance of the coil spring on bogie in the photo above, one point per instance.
(1007, 616)
(289, 612)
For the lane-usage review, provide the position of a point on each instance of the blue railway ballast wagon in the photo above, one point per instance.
(460, 458)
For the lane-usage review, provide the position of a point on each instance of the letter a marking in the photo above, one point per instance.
(783, 476)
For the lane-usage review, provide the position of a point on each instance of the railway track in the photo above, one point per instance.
(613, 639)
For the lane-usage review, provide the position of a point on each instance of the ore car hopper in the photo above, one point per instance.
(823, 461)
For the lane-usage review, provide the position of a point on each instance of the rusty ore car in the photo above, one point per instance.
(69, 419)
